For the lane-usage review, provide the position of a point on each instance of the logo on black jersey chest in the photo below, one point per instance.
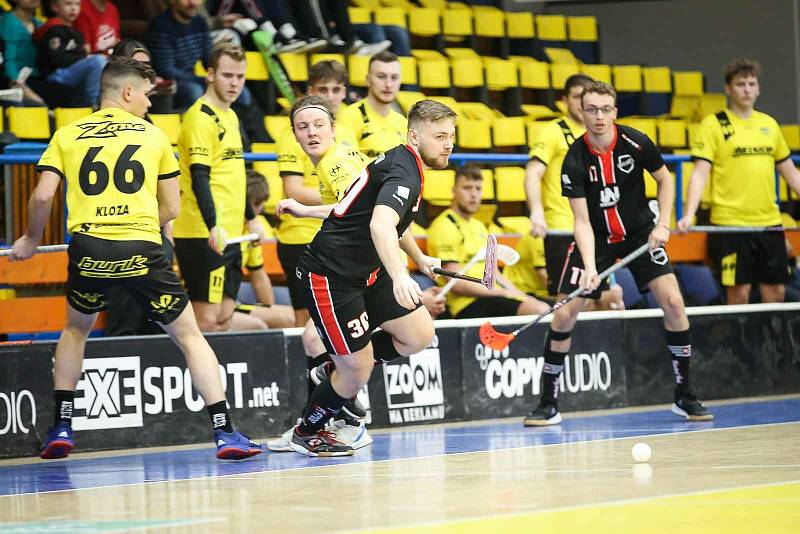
(625, 163)
(609, 196)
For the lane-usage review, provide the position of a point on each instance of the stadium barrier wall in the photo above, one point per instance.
(136, 391)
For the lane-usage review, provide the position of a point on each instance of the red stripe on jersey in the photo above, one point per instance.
(612, 216)
(373, 276)
(421, 175)
(324, 304)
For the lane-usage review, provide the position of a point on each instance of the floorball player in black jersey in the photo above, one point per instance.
(354, 278)
(603, 177)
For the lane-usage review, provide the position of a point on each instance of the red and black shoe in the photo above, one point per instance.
(323, 443)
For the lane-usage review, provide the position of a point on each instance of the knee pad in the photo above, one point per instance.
(554, 335)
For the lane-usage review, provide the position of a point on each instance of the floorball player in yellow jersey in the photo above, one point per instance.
(121, 182)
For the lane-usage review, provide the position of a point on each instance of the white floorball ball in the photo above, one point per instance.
(641, 452)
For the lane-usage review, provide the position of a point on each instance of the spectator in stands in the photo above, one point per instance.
(99, 24)
(742, 147)
(62, 55)
(16, 28)
(376, 125)
(163, 90)
(455, 237)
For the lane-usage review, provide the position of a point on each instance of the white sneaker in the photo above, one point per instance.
(373, 48)
(354, 436)
(282, 444)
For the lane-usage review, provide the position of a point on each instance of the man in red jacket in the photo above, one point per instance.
(98, 22)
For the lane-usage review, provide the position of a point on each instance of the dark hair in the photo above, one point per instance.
(327, 70)
(599, 88)
(577, 80)
(470, 171)
(236, 53)
(429, 111)
(257, 187)
(119, 68)
(129, 47)
(310, 102)
(383, 57)
(741, 67)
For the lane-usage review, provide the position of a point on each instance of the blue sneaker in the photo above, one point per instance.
(59, 442)
(235, 445)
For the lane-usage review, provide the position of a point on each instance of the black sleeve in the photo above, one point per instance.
(572, 175)
(201, 175)
(400, 187)
(651, 157)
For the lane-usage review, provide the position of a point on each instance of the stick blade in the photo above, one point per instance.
(492, 338)
(491, 262)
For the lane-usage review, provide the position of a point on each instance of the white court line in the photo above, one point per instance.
(440, 455)
(616, 503)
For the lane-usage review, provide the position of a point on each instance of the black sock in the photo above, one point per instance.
(383, 349)
(220, 418)
(679, 345)
(63, 406)
(551, 374)
(310, 364)
(324, 404)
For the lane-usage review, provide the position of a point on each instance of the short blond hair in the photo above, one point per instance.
(429, 111)
(236, 53)
(599, 88)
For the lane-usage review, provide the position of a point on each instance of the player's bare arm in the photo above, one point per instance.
(39, 206)
(294, 208)
(584, 238)
(294, 189)
(169, 200)
(790, 173)
(534, 172)
(383, 229)
(665, 197)
(697, 183)
(424, 263)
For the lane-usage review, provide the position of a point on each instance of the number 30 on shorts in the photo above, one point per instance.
(359, 326)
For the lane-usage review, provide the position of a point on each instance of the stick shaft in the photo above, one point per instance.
(740, 229)
(453, 274)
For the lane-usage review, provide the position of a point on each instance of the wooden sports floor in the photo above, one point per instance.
(740, 473)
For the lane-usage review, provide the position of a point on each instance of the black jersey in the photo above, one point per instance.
(344, 244)
(613, 183)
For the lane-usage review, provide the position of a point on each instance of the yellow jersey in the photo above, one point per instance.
(550, 147)
(523, 273)
(452, 238)
(252, 255)
(111, 161)
(211, 137)
(374, 133)
(743, 154)
(292, 160)
(337, 169)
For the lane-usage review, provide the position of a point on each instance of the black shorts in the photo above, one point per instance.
(490, 307)
(207, 275)
(555, 255)
(95, 265)
(644, 269)
(289, 257)
(344, 312)
(749, 258)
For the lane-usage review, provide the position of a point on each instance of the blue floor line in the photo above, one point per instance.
(48, 476)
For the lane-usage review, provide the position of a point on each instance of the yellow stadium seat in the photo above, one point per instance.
(359, 15)
(256, 68)
(691, 131)
(283, 102)
(515, 225)
(406, 99)
(457, 22)
(357, 68)
(533, 74)
(650, 186)
(433, 69)
(627, 78)
(689, 83)
(473, 134)
(408, 70)
(685, 107)
(170, 124)
(491, 23)
(560, 55)
(296, 66)
(2, 119)
(712, 103)
(551, 27)
(460, 52)
(672, 133)
(29, 123)
(509, 184)
(439, 186)
(559, 72)
(467, 68)
(501, 74)
(791, 132)
(64, 116)
(424, 21)
(199, 69)
(600, 73)
(536, 111)
(316, 58)
(487, 193)
(390, 16)
(645, 125)
(276, 124)
(369, 4)
(582, 28)
(533, 128)
(275, 187)
(267, 168)
(509, 131)
(520, 25)
(478, 111)
(657, 79)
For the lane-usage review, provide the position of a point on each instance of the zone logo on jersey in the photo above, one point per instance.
(414, 389)
(609, 196)
(103, 130)
(625, 163)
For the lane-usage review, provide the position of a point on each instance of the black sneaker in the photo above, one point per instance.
(545, 414)
(352, 407)
(323, 443)
(686, 405)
